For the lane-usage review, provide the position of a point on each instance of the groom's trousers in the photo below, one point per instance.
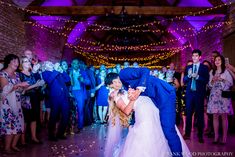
(167, 113)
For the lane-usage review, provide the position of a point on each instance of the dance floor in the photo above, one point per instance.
(90, 143)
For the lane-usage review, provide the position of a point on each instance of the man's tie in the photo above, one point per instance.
(193, 84)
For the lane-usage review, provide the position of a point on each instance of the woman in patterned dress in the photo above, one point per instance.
(30, 99)
(12, 120)
(220, 80)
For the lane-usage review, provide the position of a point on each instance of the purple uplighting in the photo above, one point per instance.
(227, 1)
(79, 29)
(53, 20)
(177, 36)
(58, 3)
(196, 21)
(22, 4)
(193, 3)
(81, 2)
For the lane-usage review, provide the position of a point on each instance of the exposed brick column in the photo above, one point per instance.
(229, 36)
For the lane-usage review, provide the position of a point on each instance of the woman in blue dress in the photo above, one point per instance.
(102, 96)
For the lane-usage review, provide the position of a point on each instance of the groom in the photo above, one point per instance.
(163, 96)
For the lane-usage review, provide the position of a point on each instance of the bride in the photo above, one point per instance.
(145, 138)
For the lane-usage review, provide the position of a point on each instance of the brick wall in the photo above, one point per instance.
(210, 41)
(15, 36)
(229, 37)
(46, 45)
(220, 39)
(12, 32)
(207, 42)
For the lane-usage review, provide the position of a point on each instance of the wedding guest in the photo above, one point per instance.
(91, 91)
(30, 99)
(29, 55)
(183, 97)
(126, 64)
(207, 117)
(212, 57)
(58, 98)
(231, 70)
(12, 120)
(1, 66)
(196, 77)
(78, 81)
(118, 67)
(135, 65)
(102, 97)
(220, 80)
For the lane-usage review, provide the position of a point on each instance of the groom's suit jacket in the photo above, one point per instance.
(155, 88)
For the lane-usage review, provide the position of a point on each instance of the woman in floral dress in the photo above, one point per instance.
(12, 120)
(220, 80)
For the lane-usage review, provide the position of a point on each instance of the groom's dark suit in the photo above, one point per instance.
(163, 96)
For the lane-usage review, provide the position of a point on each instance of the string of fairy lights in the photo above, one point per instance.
(152, 30)
(109, 47)
(198, 13)
(170, 19)
(90, 51)
(146, 47)
(147, 64)
(111, 50)
(151, 59)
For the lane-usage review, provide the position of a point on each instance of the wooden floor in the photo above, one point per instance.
(90, 143)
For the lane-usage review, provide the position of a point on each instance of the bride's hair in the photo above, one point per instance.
(114, 112)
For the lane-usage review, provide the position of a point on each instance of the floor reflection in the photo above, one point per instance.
(91, 140)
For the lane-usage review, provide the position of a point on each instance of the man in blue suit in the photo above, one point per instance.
(59, 104)
(196, 77)
(162, 94)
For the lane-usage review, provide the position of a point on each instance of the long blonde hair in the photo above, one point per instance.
(115, 111)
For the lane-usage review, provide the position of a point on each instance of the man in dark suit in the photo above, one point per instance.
(163, 96)
(196, 77)
(58, 98)
(90, 95)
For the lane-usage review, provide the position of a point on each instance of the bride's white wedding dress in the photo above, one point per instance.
(146, 138)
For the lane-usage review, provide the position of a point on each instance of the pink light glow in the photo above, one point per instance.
(75, 33)
(58, 3)
(53, 20)
(197, 21)
(21, 3)
(176, 35)
(193, 3)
